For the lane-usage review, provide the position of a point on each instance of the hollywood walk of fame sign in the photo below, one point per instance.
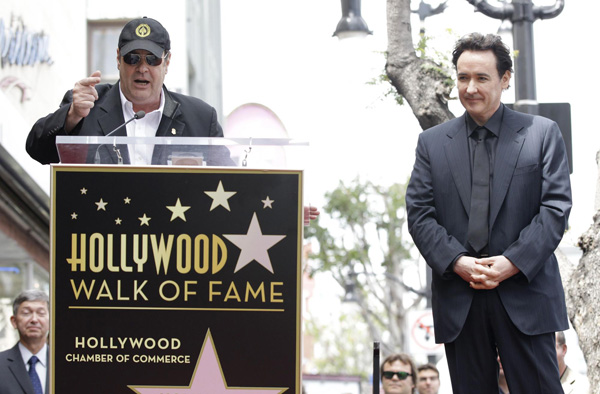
(175, 280)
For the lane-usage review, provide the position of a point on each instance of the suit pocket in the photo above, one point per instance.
(525, 169)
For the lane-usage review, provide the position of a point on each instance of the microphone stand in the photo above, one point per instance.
(138, 115)
(376, 368)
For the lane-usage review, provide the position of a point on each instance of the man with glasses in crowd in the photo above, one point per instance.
(24, 368)
(95, 109)
(398, 374)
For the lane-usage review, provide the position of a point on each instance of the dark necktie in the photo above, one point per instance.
(35, 379)
(477, 233)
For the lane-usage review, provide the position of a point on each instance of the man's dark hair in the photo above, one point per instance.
(489, 42)
(30, 295)
(560, 338)
(429, 366)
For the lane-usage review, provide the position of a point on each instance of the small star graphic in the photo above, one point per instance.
(254, 245)
(207, 378)
(127, 200)
(178, 210)
(268, 203)
(101, 205)
(145, 220)
(118, 221)
(83, 190)
(220, 197)
(74, 216)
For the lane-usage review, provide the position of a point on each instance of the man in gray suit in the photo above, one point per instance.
(488, 203)
(24, 368)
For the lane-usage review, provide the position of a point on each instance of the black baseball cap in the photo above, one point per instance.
(144, 33)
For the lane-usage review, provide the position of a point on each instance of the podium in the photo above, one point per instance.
(178, 277)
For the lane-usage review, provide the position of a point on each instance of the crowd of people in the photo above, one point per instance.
(399, 375)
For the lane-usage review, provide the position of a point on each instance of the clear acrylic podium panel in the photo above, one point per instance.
(259, 153)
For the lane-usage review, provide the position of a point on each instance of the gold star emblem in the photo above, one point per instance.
(268, 203)
(254, 245)
(220, 197)
(145, 220)
(83, 190)
(118, 221)
(74, 216)
(127, 200)
(178, 210)
(101, 205)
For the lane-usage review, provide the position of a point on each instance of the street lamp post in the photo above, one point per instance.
(522, 14)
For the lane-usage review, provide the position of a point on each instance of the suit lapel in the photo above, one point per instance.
(17, 368)
(169, 125)
(507, 154)
(113, 113)
(110, 120)
(457, 154)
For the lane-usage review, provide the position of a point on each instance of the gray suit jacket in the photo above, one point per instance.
(13, 374)
(529, 207)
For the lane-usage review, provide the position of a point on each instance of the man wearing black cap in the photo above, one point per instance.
(95, 109)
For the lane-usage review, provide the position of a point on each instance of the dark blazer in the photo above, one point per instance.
(529, 208)
(183, 116)
(14, 378)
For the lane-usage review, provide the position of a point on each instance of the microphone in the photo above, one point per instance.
(138, 115)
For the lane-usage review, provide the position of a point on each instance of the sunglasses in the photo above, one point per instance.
(151, 60)
(401, 375)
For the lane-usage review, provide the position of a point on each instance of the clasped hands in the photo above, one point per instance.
(484, 273)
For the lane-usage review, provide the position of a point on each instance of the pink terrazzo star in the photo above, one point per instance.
(208, 378)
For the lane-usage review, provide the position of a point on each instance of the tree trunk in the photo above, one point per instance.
(423, 83)
(583, 294)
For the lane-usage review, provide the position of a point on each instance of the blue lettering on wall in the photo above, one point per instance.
(21, 47)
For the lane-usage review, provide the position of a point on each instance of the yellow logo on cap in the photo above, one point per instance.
(143, 30)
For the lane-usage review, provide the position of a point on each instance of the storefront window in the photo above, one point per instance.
(103, 39)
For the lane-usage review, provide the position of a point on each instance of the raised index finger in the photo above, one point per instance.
(92, 79)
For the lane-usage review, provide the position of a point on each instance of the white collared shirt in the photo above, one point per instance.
(145, 127)
(41, 367)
